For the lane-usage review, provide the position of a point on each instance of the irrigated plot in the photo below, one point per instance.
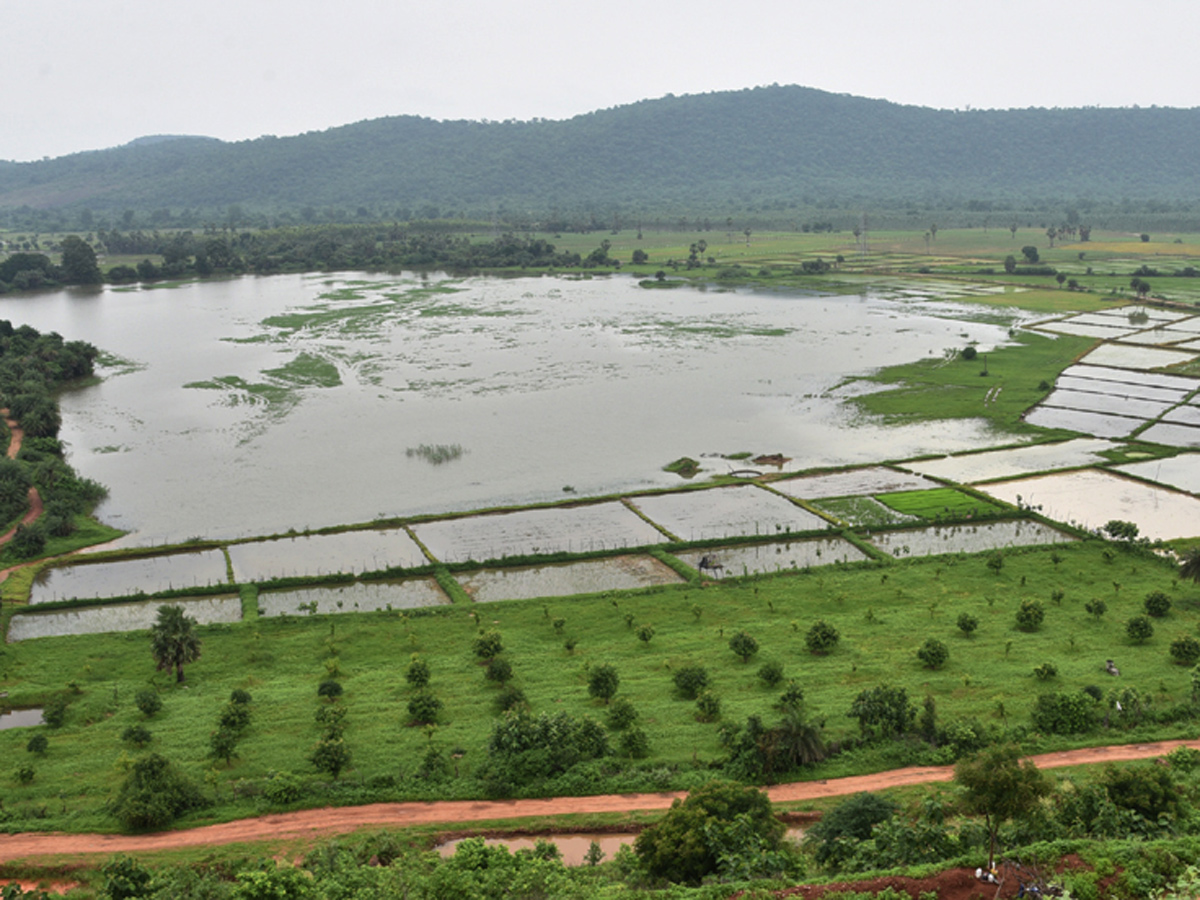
(1171, 434)
(940, 503)
(967, 538)
(1159, 336)
(1119, 388)
(563, 529)
(1126, 357)
(1113, 404)
(369, 596)
(1139, 318)
(1093, 497)
(119, 617)
(1179, 383)
(726, 512)
(1184, 415)
(1083, 329)
(147, 575)
(778, 556)
(1182, 471)
(618, 573)
(853, 483)
(1084, 422)
(972, 467)
(351, 552)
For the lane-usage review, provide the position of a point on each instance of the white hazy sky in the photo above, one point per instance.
(86, 74)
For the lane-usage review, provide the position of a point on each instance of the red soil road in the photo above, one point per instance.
(35, 499)
(318, 823)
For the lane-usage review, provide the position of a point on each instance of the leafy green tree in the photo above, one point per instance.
(1189, 564)
(330, 689)
(770, 673)
(223, 743)
(1157, 604)
(997, 785)
(423, 709)
(488, 644)
(1096, 607)
(680, 846)
(331, 755)
(125, 879)
(1185, 650)
(1139, 629)
(418, 672)
(240, 696)
(148, 701)
(1045, 671)
(708, 707)
(79, 262)
(621, 714)
(603, 682)
(743, 645)
(1030, 253)
(645, 633)
(967, 624)
(138, 735)
(498, 669)
(1030, 615)
(37, 744)
(1063, 712)
(173, 640)
(821, 638)
(634, 743)
(933, 653)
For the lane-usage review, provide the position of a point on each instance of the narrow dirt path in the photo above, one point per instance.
(317, 823)
(35, 499)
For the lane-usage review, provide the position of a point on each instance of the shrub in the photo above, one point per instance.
(708, 707)
(499, 670)
(332, 719)
(837, 835)
(967, 623)
(1063, 712)
(153, 794)
(1139, 629)
(138, 735)
(1096, 607)
(488, 644)
(37, 744)
(690, 681)
(54, 711)
(329, 689)
(1030, 615)
(222, 743)
(821, 638)
(509, 697)
(770, 673)
(1157, 604)
(240, 697)
(1185, 650)
(423, 709)
(621, 714)
(282, 788)
(645, 633)
(933, 653)
(331, 755)
(603, 682)
(1045, 671)
(883, 711)
(148, 702)
(234, 717)
(634, 743)
(969, 353)
(417, 673)
(24, 773)
(792, 697)
(743, 645)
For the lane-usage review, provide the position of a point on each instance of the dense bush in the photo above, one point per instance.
(488, 644)
(423, 709)
(770, 673)
(621, 714)
(417, 673)
(603, 682)
(1030, 615)
(1139, 629)
(883, 711)
(933, 653)
(329, 689)
(1185, 650)
(153, 794)
(1096, 607)
(526, 749)
(240, 696)
(509, 697)
(148, 701)
(1157, 604)
(690, 681)
(967, 623)
(832, 838)
(821, 638)
(1045, 671)
(1064, 712)
(282, 788)
(708, 707)
(498, 669)
(634, 743)
(138, 735)
(743, 645)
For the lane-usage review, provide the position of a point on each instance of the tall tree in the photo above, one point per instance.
(999, 786)
(173, 640)
(79, 264)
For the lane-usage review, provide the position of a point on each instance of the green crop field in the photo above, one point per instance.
(940, 503)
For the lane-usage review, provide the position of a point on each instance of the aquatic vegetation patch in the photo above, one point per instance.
(866, 512)
(307, 370)
(437, 454)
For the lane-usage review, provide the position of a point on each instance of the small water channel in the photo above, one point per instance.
(21, 718)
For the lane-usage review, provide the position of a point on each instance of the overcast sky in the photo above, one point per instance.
(86, 74)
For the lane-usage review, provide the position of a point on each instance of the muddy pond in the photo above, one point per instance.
(262, 404)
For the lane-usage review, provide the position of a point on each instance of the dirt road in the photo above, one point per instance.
(35, 499)
(317, 823)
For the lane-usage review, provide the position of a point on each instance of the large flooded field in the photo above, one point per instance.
(259, 405)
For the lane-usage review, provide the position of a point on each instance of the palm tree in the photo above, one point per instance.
(173, 640)
(1189, 566)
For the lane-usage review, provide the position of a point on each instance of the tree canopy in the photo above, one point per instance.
(173, 640)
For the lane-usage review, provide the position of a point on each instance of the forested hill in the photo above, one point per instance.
(768, 148)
